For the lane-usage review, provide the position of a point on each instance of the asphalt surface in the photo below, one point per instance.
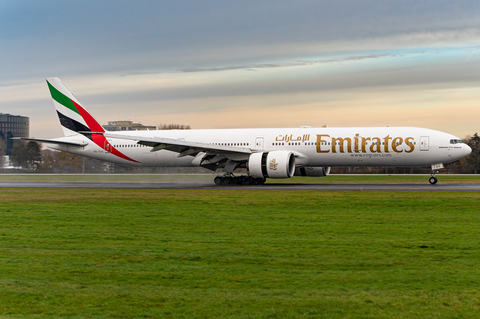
(273, 186)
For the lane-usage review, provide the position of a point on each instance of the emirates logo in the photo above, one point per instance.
(272, 165)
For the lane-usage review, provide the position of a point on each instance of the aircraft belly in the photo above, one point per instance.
(373, 159)
(348, 159)
(166, 159)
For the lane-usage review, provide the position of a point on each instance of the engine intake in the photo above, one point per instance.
(275, 164)
(312, 171)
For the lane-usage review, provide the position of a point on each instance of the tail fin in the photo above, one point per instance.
(73, 116)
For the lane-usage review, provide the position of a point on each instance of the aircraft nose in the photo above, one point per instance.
(467, 150)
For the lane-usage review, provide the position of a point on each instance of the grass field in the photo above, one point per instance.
(238, 254)
(158, 178)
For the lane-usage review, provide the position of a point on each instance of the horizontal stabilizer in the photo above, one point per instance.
(50, 141)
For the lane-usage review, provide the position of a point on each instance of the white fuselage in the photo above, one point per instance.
(313, 147)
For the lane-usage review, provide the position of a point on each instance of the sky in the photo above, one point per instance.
(246, 64)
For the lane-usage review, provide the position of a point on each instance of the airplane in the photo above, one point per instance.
(250, 156)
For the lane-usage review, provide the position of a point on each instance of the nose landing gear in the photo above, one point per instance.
(433, 180)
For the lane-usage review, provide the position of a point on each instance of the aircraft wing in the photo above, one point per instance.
(185, 148)
(80, 144)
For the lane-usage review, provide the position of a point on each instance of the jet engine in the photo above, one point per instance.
(275, 164)
(312, 171)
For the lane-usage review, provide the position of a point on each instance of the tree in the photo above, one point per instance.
(474, 158)
(173, 127)
(70, 163)
(27, 156)
(18, 155)
(33, 156)
(3, 150)
(49, 161)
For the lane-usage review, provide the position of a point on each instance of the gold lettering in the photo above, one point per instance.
(279, 140)
(341, 142)
(375, 147)
(410, 144)
(386, 139)
(338, 143)
(356, 148)
(364, 143)
(395, 142)
(319, 143)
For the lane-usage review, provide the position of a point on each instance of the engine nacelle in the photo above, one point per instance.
(312, 171)
(275, 164)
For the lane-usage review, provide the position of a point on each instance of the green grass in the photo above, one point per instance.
(158, 178)
(238, 254)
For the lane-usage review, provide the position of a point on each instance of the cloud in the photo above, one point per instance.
(290, 64)
(61, 38)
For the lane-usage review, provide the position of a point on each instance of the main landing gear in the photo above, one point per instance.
(238, 180)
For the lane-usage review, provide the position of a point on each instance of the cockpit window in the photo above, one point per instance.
(456, 141)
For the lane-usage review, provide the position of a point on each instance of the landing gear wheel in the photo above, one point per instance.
(218, 180)
(259, 181)
(433, 180)
(238, 180)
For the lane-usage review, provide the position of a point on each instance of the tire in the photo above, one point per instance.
(218, 180)
(433, 180)
(259, 181)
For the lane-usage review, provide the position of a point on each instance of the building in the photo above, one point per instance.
(13, 126)
(127, 126)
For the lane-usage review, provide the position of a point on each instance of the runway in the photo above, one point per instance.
(267, 186)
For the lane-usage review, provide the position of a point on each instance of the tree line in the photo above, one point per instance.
(30, 157)
(173, 127)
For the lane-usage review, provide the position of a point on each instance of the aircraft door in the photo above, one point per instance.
(424, 143)
(107, 146)
(259, 143)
